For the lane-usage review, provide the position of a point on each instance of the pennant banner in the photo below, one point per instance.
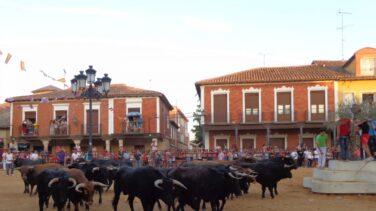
(8, 58)
(22, 65)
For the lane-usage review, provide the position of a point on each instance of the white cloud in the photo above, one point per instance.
(207, 24)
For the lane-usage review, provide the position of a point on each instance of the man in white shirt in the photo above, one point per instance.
(75, 156)
(9, 162)
(34, 156)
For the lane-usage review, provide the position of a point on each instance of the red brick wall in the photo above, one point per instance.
(104, 116)
(76, 116)
(267, 99)
(149, 106)
(119, 114)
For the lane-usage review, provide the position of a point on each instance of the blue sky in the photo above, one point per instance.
(169, 45)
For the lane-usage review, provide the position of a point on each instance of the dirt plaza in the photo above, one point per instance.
(292, 197)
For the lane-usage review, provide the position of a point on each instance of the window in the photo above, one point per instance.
(367, 66)
(220, 108)
(369, 97)
(251, 106)
(348, 98)
(284, 106)
(317, 100)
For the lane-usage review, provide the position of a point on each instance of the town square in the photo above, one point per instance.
(177, 105)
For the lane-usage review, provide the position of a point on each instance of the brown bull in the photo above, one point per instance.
(84, 189)
(33, 172)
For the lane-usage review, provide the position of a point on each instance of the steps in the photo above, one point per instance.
(343, 177)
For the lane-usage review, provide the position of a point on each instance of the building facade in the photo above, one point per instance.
(128, 117)
(4, 125)
(182, 135)
(280, 106)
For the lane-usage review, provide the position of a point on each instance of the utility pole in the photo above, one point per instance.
(342, 13)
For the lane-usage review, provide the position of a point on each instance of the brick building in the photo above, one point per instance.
(182, 136)
(282, 106)
(128, 117)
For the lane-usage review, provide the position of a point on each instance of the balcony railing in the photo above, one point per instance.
(135, 126)
(30, 130)
(96, 129)
(62, 130)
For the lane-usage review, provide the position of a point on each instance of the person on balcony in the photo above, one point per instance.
(52, 127)
(24, 127)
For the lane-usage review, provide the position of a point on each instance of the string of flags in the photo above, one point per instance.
(23, 68)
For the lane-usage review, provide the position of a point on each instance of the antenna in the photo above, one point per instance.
(342, 28)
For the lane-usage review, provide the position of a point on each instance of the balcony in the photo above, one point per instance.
(60, 130)
(96, 129)
(29, 130)
(133, 126)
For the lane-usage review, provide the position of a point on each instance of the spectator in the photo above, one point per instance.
(74, 157)
(169, 159)
(34, 155)
(158, 159)
(61, 156)
(372, 140)
(145, 159)
(9, 163)
(321, 143)
(137, 158)
(300, 152)
(127, 157)
(344, 125)
(221, 155)
(364, 137)
(4, 159)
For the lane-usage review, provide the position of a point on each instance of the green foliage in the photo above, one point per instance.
(197, 126)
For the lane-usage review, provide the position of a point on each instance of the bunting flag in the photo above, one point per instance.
(22, 65)
(62, 80)
(8, 58)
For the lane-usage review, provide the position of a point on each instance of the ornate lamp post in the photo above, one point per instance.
(96, 89)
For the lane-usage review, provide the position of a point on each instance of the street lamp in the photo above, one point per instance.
(96, 89)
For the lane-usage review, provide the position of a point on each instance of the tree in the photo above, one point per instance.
(197, 126)
(357, 112)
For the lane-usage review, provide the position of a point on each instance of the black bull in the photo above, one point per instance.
(146, 183)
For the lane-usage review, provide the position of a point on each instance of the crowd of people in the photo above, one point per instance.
(304, 156)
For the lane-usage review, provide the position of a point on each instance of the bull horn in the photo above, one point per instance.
(99, 184)
(233, 168)
(241, 174)
(157, 183)
(176, 182)
(81, 185)
(111, 168)
(288, 166)
(70, 179)
(56, 179)
(95, 169)
(233, 176)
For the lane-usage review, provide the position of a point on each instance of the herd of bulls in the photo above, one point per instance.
(192, 184)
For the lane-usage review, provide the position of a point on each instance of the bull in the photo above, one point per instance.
(146, 183)
(55, 183)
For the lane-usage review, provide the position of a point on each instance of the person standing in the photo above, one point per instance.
(34, 155)
(127, 157)
(137, 157)
(372, 139)
(61, 156)
(4, 159)
(364, 137)
(343, 136)
(321, 144)
(9, 163)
